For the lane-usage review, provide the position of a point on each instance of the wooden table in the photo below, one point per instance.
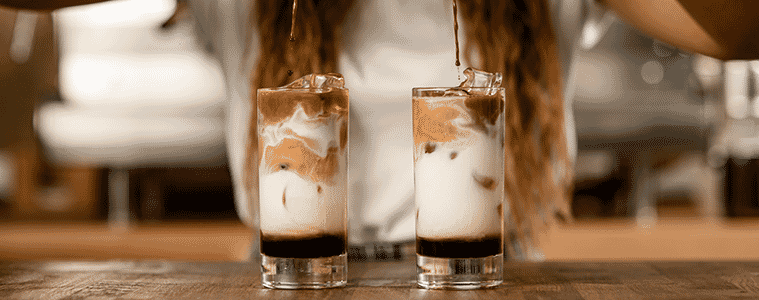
(599, 240)
(158, 279)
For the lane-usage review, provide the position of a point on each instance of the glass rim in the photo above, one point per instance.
(453, 87)
(438, 92)
(322, 90)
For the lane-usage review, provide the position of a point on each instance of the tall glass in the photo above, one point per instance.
(458, 181)
(303, 172)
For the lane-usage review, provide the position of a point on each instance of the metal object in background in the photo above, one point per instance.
(736, 145)
(736, 89)
(381, 252)
(118, 199)
(7, 174)
(754, 67)
(23, 37)
(598, 23)
(645, 104)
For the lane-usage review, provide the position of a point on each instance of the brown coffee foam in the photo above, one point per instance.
(276, 105)
(433, 123)
(298, 158)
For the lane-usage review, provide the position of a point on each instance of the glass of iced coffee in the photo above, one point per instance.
(458, 181)
(303, 166)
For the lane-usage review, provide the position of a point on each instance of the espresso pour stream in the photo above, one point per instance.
(455, 31)
(292, 32)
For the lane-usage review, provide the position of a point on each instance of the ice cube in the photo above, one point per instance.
(477, 79)
(456, 92)
(318, 81)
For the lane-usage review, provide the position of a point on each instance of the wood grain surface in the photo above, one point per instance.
(198, 241)
(157, 279)
(605, 240)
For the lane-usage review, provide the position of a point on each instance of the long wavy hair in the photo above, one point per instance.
(512, 37)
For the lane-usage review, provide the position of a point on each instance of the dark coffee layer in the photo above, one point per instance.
(303, 247)
(459, 248)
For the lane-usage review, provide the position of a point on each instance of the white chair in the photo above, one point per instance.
(134, 95)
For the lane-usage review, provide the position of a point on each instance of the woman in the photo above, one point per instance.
(385, 48)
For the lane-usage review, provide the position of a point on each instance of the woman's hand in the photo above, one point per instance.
(724, 29)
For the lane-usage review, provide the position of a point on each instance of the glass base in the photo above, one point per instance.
(459, 273)
(304, 273)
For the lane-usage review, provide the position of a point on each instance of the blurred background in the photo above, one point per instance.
(113, 143)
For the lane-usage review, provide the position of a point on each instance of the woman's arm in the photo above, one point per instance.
(45, 4)
(725, 29)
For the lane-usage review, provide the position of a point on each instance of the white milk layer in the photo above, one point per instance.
(307, 211)
(309, 207)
